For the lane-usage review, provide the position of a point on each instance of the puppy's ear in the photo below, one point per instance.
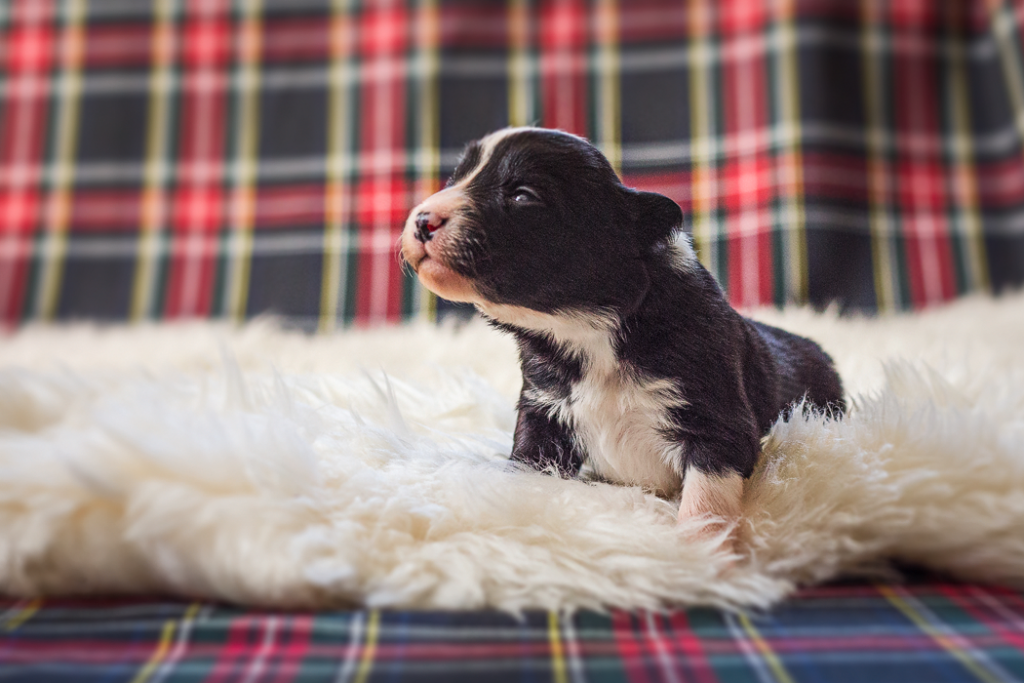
(656, 217)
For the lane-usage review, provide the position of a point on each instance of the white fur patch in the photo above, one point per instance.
(710, 494)
(487, 145)
(136, 459)
(617, 416)
(683, 255)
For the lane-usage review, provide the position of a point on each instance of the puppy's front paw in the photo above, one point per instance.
(708, 528)
(710, 507)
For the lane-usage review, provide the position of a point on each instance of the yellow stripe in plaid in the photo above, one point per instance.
(1004, 28)
(878, 173)
(339, 133)
(558, 670)
(369, 648)
(948, 644)
(791, 165)
(54, 245)
(157, 134)
(965, 178)
(244, 195)
(965, 175)
(702, 99)
(765, 650)
(609, 124)
(163, 645)
(521, 105)
(429, 109)
(18, 616)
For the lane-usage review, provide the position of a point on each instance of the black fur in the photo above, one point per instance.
(550, 227)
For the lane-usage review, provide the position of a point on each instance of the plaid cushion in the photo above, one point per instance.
(917, 632)
(228, 157)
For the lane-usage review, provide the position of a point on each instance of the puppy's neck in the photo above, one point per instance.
(590, 337)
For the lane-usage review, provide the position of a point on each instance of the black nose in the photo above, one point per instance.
(426, 224)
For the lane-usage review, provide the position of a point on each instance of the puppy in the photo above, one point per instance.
(630, 354)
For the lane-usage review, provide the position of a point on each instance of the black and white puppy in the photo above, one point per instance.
(631, 355)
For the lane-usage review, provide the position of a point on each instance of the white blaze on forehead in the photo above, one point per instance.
(487, 145)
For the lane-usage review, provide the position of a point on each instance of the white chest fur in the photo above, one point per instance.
(618, 417)
(620, 422)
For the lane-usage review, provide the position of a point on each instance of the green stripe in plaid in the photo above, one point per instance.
(184, 158)
(915, 632)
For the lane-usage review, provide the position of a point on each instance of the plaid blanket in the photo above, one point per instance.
(228, 157)
(881, 633)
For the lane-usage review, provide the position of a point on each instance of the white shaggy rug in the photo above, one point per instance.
(262, 466)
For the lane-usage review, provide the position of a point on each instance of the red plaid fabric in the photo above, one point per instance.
(184, 158)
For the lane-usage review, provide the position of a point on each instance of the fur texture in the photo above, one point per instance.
(264, 467)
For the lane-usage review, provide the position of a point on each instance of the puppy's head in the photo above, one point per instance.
(537, 219)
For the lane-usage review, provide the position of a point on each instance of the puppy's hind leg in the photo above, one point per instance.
(715, 496)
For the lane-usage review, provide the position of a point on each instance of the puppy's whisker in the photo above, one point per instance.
(397, 248)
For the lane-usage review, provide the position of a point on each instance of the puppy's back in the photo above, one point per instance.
(804, 370)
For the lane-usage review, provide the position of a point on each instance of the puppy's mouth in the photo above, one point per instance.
(427, 260)
(417, 254)
(431, 265)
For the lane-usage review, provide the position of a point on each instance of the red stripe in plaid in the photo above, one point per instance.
(90, 650)
(835, 176)
(445, 651)
(654, 20)
(200, 201)
(249, 641)
(207, 41)
(29, 51)
(660, 645)
(105, 211)
(118, 45)
(474, 25)
(920, 177)
(382, 30)
(745, 104)
(631, 648)
(295, 205)
(916, 14)
(563, 68)
(1000, 183)
(289, 649)
(742, 16)
(292, 648)
(690, 653)
(675, 185)
(296, 40)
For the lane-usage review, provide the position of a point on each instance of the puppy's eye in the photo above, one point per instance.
(524, 195)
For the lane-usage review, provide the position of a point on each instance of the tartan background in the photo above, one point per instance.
(911, 633)
(185, 158)
(227, 157)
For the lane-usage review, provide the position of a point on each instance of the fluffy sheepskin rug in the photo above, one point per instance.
(264, 466)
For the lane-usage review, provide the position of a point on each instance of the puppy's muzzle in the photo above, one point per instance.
(427, 223)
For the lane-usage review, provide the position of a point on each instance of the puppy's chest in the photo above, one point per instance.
(621, 422)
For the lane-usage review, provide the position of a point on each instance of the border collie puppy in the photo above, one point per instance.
(631, 355)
